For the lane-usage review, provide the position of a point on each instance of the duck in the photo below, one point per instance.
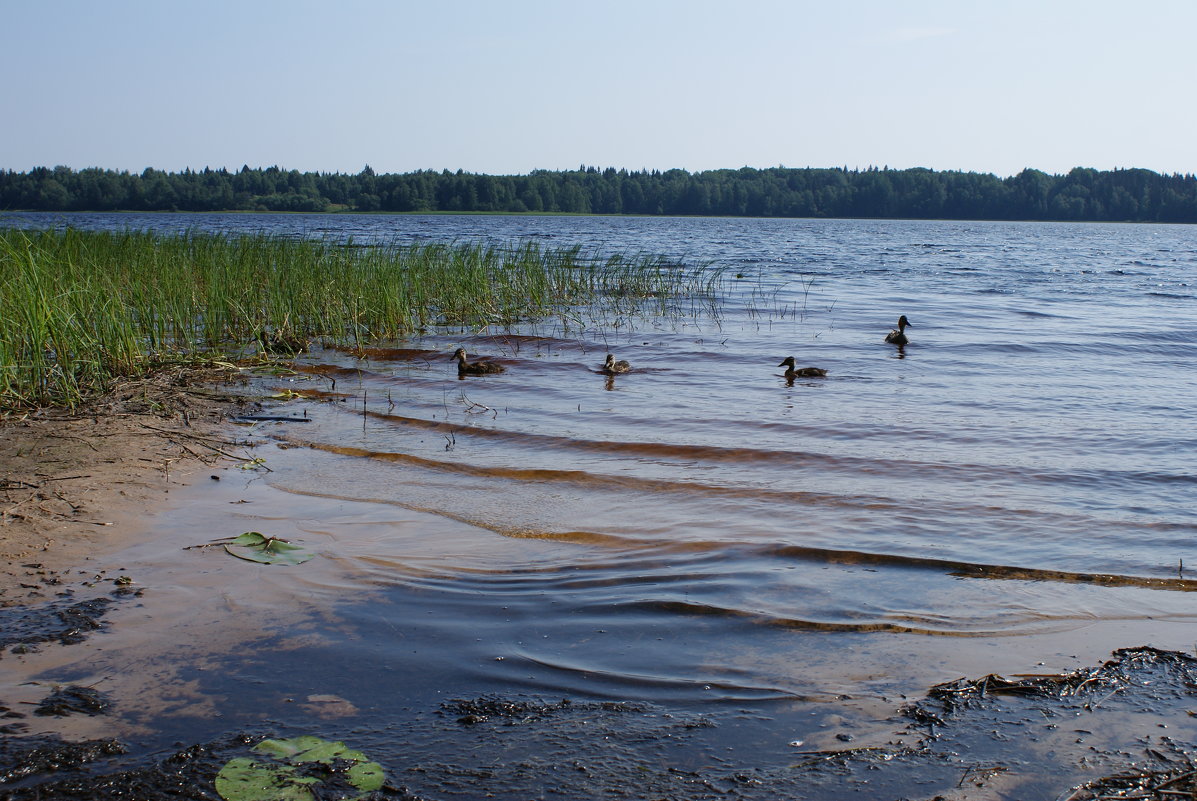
(474, 368)
(793, 372)
(611, 367)
(898, 336)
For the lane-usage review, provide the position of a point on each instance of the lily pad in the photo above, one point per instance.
(257, 547)
(243, 779)
(285, 774)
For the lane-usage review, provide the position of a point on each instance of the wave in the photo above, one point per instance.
(985, 571)
(682, 555)
(711, 454)
(887, 623)
(661, 684)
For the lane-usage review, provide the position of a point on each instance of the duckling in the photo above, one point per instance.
(793, 372)
(611, 367)
(898, 337)
(474, 368)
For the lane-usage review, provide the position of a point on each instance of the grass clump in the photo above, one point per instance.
(82, 308)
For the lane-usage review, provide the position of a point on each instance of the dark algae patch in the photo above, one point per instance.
(1135, 680)
(28, 623)
(1119, 730)
(72, 700)
(24, 627)
(514, 712)
(1174, 776)
(42, 758)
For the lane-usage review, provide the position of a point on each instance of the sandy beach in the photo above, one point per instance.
(76, 484)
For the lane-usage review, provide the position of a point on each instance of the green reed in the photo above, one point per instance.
(82, 308)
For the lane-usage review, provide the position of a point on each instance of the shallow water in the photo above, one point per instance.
(1013, 489)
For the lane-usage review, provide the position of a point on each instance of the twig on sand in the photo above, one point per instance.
(200, 441)
(84, 440)
(4, 513)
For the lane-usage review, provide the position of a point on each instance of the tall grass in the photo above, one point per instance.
(78, 309)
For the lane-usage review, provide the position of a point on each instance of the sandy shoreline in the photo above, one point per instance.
(77, 484)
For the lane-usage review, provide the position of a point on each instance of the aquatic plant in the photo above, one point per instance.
(82, 308)
(253, 546)
(299, 769)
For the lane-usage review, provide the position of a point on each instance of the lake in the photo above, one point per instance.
(752, 560)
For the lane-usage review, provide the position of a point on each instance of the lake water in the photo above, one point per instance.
(784, 560)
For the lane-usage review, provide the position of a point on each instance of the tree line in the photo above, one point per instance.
(1121, 195)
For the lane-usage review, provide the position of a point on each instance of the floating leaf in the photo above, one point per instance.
(257, 547)
(288, 749)
(250, 538)
(253, 464)
(244, 779)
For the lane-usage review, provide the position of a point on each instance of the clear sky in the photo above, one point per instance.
(509, 86)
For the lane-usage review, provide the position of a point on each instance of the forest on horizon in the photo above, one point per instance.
(1083, 194)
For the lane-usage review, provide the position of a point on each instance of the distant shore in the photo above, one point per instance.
(1082, 195)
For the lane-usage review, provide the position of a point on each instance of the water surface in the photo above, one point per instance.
(1013, 490)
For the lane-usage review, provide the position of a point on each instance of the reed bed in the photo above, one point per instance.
(82, 308)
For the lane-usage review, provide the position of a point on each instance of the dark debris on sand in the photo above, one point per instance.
(1132, 671)
(23, 757)
(71, 700)
(24, 627)
(1171, 777)
(514, 712)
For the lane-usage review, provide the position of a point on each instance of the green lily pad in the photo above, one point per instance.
(307, 748)
(279, 779)
(257, 547)
(242, 779)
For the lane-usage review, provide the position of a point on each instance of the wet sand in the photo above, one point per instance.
(75, 485)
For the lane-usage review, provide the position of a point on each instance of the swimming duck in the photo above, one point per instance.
(801, 372)
(898, 337)
(474, 368)
(611, 367)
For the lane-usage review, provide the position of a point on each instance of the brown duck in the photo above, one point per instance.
(801, 372)
(611, 367)
(898, 335)
(481, 367)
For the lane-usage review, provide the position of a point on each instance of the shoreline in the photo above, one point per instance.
(77, 484)
(447, 213)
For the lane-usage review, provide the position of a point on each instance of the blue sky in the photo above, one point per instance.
(509, 86)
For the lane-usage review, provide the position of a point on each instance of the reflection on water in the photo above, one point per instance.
(1011, 487)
